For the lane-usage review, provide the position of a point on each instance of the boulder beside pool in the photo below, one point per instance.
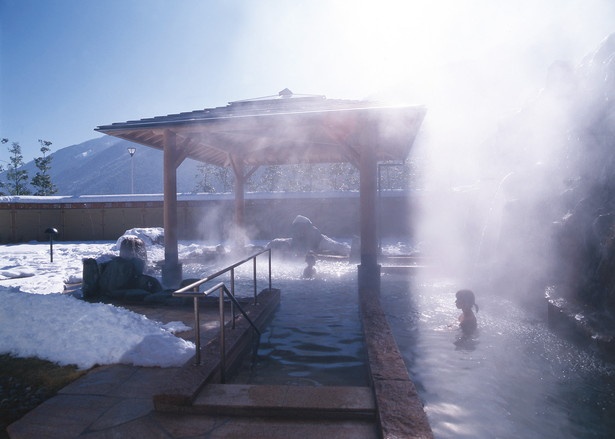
(306, 238)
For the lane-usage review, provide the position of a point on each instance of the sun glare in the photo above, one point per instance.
(388, 43)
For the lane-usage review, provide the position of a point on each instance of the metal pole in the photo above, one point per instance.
(51, 231)
(254, 280)
(131, 151)
(269, 269)
(379, 207)
(233, 294)
(197, 332)
(222, 349)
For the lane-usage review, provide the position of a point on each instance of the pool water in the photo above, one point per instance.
(514, 378)
(315, 337)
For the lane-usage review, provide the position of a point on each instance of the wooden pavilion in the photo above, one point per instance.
(282, 129)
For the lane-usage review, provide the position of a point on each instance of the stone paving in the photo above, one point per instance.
(116, 401)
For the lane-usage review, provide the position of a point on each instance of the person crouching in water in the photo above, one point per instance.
(310, 270)
(465, 301)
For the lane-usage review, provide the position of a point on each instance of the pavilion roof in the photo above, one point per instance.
(285, 129)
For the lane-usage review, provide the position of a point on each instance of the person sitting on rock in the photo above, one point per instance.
(310, 270)
(465, 301)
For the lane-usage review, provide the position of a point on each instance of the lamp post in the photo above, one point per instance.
(131, 151)
(51, 231)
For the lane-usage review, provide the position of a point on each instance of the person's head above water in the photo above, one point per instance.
(310, 259)
(465, 300)
(310, 270)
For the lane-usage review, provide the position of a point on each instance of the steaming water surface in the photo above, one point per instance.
(315, 337)
(513, 379)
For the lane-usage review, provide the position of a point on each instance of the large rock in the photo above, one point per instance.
(148, 283)
(91, 276)
(133, 247)
(305, 236)
(280, 245)
(119, 274)
(330, 246)
(605, 272)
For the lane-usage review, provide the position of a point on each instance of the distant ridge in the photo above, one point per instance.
(102, 166)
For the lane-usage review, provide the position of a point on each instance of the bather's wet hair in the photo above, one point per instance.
(467, 296)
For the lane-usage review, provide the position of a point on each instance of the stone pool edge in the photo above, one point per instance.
(399, 408)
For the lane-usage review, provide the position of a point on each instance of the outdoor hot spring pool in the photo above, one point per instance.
(514, 379)
(315, 336)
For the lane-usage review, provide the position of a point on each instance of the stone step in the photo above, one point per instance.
(292, 402)
(277, 428)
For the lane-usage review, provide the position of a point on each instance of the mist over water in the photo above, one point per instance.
(514, 378)
(493, 191)
(522, 202)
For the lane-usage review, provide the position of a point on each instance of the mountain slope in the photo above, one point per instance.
(103, 166)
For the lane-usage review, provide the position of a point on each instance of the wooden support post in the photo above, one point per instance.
(172, 269)
(238, 234)
(369, 270)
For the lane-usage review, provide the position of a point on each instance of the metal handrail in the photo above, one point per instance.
(231, 268)
(192, 290)
(195, 295)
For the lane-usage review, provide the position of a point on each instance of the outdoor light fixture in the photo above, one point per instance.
(51, 231)
(131, 151)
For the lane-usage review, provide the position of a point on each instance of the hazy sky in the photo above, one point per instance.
(68, 66)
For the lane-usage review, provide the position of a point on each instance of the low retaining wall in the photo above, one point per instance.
(200, 216)
(400, 410)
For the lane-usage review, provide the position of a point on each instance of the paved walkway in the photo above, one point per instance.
(117, 402)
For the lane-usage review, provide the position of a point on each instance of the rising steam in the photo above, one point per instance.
(492, 206)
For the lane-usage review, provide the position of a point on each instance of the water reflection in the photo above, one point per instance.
(466, 342)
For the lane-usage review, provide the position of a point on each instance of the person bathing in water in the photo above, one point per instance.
(310, 270)
(465, 302)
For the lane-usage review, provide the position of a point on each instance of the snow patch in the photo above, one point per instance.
(66, 330)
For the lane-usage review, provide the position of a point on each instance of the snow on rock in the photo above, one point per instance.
(149, 235)
(328, 245)
(174, 327)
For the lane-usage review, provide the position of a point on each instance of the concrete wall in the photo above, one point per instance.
(202, 216)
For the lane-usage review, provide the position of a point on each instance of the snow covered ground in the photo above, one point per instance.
(36, 319)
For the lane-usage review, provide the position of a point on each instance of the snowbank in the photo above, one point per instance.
(38, 321)
(67, 331)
